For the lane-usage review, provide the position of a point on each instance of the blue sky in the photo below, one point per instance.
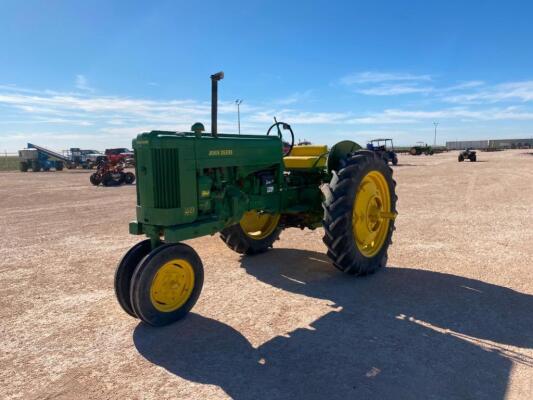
(96, 73)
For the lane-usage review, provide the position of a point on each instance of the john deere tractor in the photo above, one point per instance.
(245, 188)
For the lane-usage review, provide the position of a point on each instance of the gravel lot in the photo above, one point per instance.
(450, 318)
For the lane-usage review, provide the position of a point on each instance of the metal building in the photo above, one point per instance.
(491, 144)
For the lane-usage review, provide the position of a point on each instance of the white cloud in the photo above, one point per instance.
(387, 84)
(399, 116)
(463, 85)
(297, 97)
(378, 77)
(394, 84)
(115, 120)
(521, 91)
(394, 89)
(300, 117)
(82, 83)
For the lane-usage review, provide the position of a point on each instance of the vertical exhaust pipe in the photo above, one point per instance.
(214, 101)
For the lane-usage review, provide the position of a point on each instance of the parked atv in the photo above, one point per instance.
(467, 154)
(109, 174)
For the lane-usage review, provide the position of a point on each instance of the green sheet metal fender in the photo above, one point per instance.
(339, 152)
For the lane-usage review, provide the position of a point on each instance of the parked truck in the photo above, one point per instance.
(87, 159)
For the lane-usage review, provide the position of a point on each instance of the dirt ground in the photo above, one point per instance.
(450, 318)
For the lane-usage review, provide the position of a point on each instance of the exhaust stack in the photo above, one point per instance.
(214, 101)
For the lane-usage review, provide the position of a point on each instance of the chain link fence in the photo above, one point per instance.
(9, 161)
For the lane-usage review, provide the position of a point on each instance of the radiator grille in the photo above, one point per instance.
(166, 178)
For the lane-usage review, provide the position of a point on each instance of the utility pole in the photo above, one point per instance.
(435, 138)
(239, 102)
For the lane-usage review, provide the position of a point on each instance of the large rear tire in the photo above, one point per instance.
(124, 273)
(166, 284)
(359, 213)
(23, 166)
(255, 233)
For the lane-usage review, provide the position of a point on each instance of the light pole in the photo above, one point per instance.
(435, 138)
(239, 102)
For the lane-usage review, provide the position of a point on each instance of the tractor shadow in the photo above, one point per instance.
(405, 165)
(399, 334)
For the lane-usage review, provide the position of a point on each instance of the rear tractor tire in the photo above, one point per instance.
(359, 213)
(166, 284)
(460, 158)
(254, 234)
(23, 166)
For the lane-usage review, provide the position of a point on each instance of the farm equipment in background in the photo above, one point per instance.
(421, 148)
(467, 154)
(87, 159)
(121, 154)
(385, 152)
(38, 158)
(111, 174)
(247, 188)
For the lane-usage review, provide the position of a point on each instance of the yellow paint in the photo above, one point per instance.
(172, 285)
(257, 225)
(372, 213)
(306, 157)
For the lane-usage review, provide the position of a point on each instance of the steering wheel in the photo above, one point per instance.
(285, 126)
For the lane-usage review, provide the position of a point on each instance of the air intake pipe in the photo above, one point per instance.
(214, 101)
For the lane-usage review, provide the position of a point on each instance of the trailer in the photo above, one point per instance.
(39, 158)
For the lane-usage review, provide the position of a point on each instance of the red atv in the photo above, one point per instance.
(111, 174)
(119, 155)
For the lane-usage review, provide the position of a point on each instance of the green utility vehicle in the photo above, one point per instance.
(244, 187)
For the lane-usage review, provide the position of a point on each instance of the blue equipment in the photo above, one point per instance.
(36, 158)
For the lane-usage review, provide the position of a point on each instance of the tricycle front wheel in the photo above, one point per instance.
(166, 284)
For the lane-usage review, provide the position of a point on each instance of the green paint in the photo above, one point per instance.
(192, 184)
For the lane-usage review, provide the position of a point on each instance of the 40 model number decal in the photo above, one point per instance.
(221, 152)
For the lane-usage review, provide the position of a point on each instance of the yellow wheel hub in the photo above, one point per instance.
(259, 225)
(172, 285)
(371, 213)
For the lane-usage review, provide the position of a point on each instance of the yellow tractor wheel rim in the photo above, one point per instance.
(257, 225)
(172, 285)
(371, 213)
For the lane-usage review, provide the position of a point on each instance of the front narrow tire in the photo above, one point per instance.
(166, 284)
(124, 273)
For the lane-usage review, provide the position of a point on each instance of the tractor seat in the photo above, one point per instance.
(306, 157)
